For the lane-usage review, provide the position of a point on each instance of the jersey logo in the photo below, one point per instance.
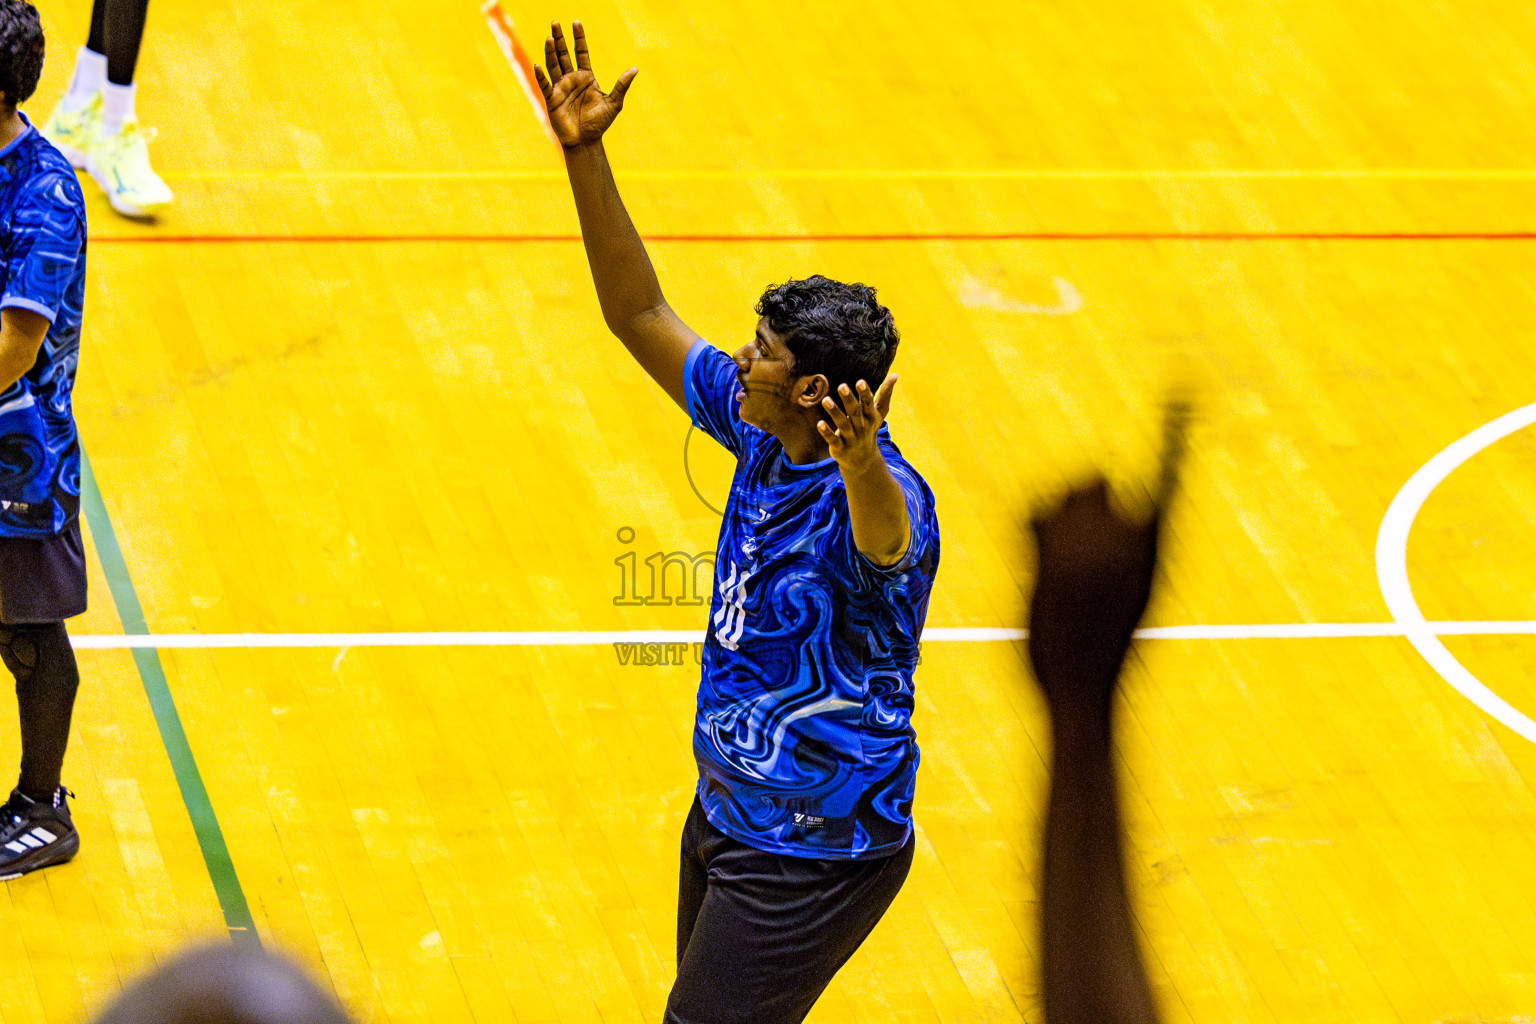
(731, 619)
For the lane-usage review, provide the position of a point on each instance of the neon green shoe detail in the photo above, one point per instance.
(73, 132)
(120, 165)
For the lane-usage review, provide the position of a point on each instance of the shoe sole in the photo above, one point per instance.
(57, 853)
(122, 206)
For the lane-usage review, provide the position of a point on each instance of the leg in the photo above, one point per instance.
(36, 829)
(124, 31)
(692, 879)
(95, 126)
(73, 124)
(85, 85)
(47, 679)
(773, 930)
(96, 41)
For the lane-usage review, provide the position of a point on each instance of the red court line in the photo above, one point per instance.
(1005, 236)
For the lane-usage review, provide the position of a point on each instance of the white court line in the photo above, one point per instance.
(581, 638)
(1392, 565)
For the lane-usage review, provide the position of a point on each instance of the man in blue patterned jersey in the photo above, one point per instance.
(801, 832)
(42, 564)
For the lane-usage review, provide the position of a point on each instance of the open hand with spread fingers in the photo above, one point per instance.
(1095, 578)
(579, 111)
(850, 429)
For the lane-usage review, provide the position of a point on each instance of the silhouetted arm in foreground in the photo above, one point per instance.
(1094, 582)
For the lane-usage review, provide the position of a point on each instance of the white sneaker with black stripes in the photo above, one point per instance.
(34, 834)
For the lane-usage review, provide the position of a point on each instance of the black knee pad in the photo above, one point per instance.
(24, 648)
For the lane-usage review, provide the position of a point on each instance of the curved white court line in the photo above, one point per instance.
(1392, 564)
(975, 294)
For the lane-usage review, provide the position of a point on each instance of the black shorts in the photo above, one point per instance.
(42, 580)
(759, 935)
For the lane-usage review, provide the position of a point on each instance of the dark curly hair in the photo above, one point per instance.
(21, 50)
(834, 329)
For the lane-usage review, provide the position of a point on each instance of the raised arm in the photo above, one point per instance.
(627, 289)
(1094, 581)
(876, 506)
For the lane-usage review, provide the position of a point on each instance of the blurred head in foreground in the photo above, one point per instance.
(224, 984)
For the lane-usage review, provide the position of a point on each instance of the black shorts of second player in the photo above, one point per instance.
(759, 935)
(42, 580)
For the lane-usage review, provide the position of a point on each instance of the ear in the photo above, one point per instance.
(812, 390)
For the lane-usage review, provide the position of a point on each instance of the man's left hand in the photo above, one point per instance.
(850, 435)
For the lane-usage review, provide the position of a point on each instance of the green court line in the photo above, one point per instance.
(221, 869)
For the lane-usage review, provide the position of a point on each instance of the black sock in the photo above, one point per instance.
(43, 662)
(123, 30)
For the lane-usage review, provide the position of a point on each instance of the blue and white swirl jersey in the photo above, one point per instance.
(42, 241)
(804, 737)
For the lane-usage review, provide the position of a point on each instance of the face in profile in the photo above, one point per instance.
(763, 376)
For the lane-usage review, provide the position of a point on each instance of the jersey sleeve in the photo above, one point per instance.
(47, 240)
(709, 388)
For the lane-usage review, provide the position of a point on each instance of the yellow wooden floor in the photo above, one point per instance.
(390, 434)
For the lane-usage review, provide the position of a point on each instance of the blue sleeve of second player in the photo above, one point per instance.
(709, 388)
(47, 241)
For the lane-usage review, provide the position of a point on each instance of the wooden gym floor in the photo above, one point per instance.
(356, 383)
